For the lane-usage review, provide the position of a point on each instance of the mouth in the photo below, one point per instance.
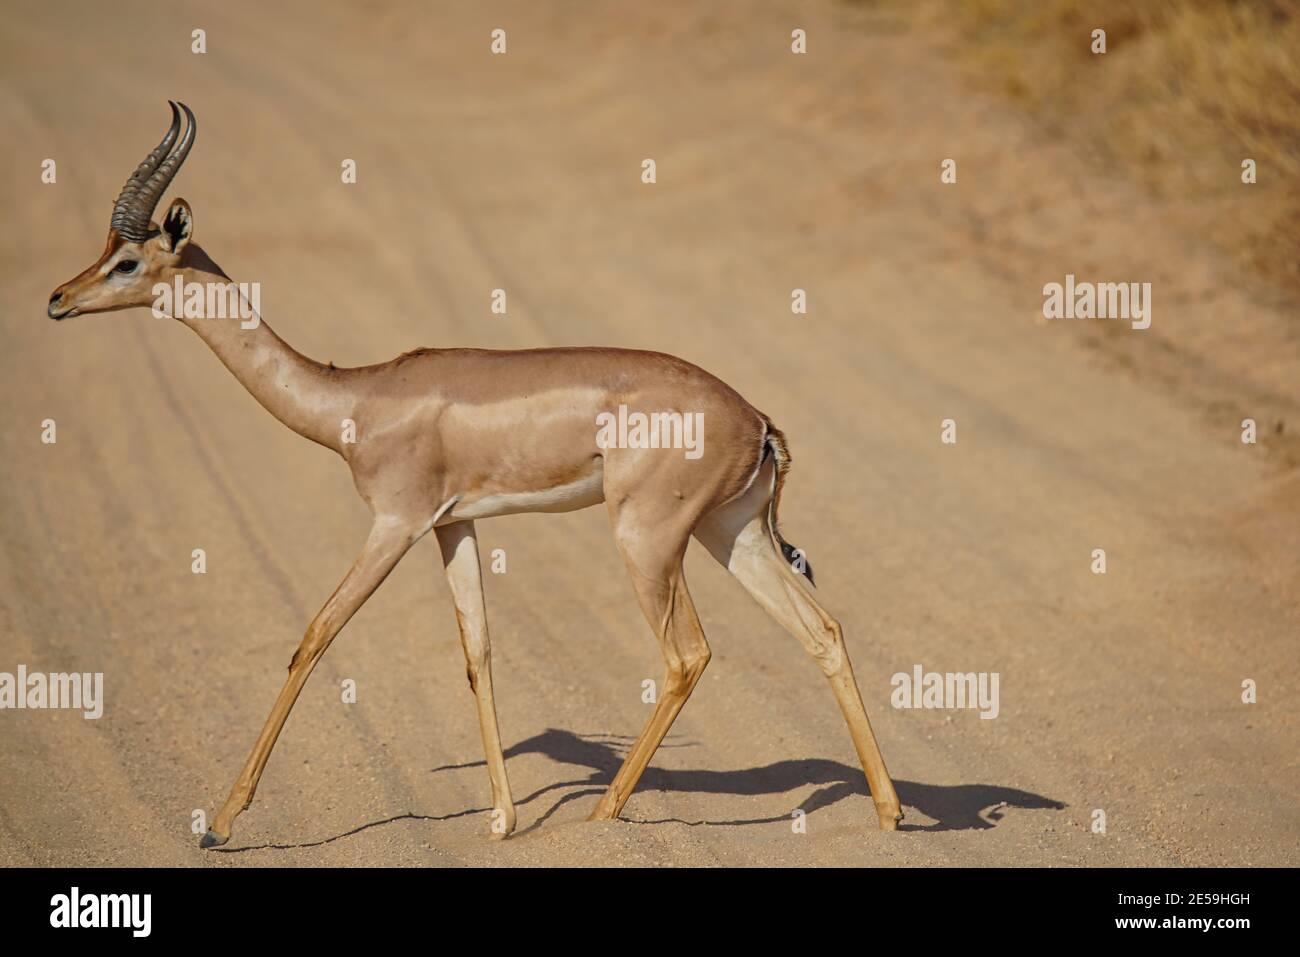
(56, 316)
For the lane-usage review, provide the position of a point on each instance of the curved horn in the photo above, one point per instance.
(141, 175)
(142, 191)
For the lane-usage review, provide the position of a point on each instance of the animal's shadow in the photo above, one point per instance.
(951, 807)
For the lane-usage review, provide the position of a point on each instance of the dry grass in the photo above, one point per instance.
(1186, 91)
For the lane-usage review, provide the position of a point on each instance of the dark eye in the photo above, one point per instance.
(126, 265)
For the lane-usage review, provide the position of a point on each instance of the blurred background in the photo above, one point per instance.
(1186, 90)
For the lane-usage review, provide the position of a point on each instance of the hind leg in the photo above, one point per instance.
(653, 543)
(738, 536)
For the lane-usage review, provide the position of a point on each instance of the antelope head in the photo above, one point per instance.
(139, 252)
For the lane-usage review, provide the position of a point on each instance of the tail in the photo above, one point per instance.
(774, 443)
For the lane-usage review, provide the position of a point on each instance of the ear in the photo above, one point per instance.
(177, 226)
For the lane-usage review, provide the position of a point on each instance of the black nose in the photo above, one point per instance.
(53, 310)
(55, 297)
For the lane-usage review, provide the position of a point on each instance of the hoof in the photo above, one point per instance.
(503, 824)
(889, 818)
(606, 809)
(212, 839)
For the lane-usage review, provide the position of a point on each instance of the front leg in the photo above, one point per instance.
(388, 542)
(460, 558)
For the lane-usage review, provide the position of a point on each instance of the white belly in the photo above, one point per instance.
(580, 493)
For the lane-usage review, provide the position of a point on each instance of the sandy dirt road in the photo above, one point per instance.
(1118, 692)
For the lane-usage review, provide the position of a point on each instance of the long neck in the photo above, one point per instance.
(305, 395)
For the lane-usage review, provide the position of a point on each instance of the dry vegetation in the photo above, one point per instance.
(1186, 91)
